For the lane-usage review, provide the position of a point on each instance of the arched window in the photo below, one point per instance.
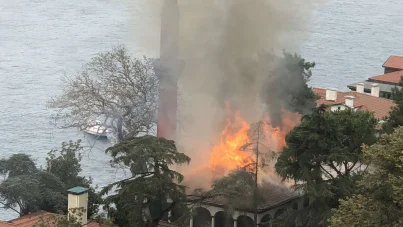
(222, 220)
(278, 213)
(265, 222)
(306, 201)
(244, 221)
(202, 218)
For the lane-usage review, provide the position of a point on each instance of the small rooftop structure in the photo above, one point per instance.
(77, 190)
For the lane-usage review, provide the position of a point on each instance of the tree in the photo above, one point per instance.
(244, 181)
(23, 191)
(261, 157)
(113, 86)
(395, 118)
(324, 155)
(27, 189)
(379, 200)
(66, 166)
(153, 189)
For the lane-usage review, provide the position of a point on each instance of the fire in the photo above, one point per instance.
(228, 154)
(275, 136)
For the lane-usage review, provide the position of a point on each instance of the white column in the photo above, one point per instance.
(191, 222)
(235, 223)
(212, 221)
(169, 216)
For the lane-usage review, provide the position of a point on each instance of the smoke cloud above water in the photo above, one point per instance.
(223, 45)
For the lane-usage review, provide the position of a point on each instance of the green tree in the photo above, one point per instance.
(395, 118)
(379, 201)
(323, 155)
(65, 164)
(27, 189)
(153, 189)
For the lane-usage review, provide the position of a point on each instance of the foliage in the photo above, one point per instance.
(27, 189)
(238, 188)
(114, 86)
(395, 118)
(153, 189)
(66, 166)
(57, 220)
(380, 199)
(324, 156)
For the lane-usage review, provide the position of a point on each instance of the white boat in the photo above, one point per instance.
(96, 128)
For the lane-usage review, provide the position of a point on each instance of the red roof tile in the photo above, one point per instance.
(379, 106)
(34, 218)
(395, 62)
(393, 77)
(5, 224)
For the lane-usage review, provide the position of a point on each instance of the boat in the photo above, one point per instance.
(96, 128)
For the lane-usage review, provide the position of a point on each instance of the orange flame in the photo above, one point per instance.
(227, 155)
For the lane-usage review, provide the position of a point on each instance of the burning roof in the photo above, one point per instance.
(273, 195)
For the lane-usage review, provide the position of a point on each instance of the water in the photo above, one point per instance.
(40, 40)
(350, 40)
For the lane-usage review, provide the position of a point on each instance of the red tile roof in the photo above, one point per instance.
(395, 62)
(379, 106)
(393, 77)
(34, 218)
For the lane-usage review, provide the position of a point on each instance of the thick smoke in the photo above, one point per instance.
(227, 47)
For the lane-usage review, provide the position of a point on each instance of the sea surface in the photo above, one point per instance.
(41, 40)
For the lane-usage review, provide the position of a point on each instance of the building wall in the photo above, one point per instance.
(391, 70)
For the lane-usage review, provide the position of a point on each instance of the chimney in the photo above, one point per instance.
(375, 90)
(349, 101)
(78, 204)
(331, 94)
(360, 88)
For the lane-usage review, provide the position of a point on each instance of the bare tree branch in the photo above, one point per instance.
(113, 86)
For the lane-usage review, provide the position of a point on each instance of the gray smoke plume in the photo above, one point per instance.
(229, 48)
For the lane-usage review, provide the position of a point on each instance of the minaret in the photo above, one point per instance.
(168, 71)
